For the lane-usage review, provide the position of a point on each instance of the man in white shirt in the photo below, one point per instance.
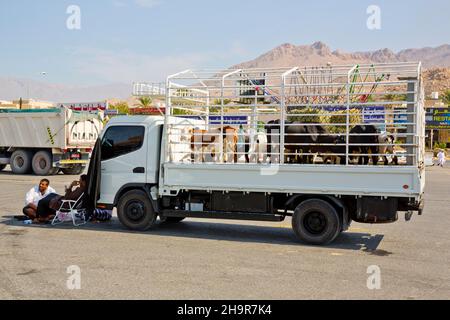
(34, 196)
(441, 158)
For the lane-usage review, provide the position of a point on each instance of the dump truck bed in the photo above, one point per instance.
(47, 128)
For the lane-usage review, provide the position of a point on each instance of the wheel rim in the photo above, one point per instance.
(19, 162)
(42, 164)
(315, 222)
(135, 211)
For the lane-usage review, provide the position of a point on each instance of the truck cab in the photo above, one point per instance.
(130, 154)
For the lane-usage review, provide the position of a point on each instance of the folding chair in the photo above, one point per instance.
(70, 210)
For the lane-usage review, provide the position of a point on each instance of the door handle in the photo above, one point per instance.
(139, 170)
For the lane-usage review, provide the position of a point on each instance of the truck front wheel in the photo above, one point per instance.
(315, 221)
(21, 161)
(135, 211)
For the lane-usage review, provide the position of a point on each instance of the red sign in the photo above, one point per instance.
(147, 111)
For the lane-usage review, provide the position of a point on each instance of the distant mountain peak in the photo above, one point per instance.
(319, 53)
(319, 45)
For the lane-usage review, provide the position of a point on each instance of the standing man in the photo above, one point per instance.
(34, 196)
(441, 158)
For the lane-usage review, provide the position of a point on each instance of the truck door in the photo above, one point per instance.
(124, 159)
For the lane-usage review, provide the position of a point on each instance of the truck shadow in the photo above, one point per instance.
(7, 173)
(222, 232)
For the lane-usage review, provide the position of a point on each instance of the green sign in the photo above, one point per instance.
(438, 118)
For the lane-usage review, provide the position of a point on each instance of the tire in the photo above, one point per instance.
(42, 163)
(75, 170)
(135, 211)
(316, 222)
(171, 219)
(2, 167)
(21, 161)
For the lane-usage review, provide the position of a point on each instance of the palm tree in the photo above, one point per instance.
(446, 97)
(121, 107)
(144, 102)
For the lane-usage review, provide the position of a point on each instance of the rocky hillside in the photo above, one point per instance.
(436, 79)
(436, 61)
(320, 54)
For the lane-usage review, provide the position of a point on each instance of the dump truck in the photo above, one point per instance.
(47, 141)
(310, 143)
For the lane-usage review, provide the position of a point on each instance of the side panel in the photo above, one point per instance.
(32, 129)
(316, 179)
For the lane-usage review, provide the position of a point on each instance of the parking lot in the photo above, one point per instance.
(218, 259)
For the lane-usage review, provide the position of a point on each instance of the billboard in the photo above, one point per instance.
(370, 114)
(438, 118)
(374, 114)
(228, 120)
(85, 106)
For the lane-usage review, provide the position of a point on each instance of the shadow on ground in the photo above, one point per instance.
(222, 232)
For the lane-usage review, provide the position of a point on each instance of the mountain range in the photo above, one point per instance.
(319, 53)
(436, 60)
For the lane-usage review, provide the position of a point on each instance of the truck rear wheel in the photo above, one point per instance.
(315, 221)
(42, 163)
(135, 211)
(21, 161)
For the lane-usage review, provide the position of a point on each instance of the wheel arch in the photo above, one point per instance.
(337, 203)
(137, 186)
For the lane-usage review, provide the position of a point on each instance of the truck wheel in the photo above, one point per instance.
(171, 219)
(42, 163)
(21, 161)
(135, 211)
(75, 170)
(316, 222)
(2, 167)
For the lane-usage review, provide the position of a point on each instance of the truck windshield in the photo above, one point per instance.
(120, 140)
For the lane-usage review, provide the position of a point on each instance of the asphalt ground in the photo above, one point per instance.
(219, 259)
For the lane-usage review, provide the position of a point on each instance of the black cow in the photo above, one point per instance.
(334, 151)
(366, 134)
(295, 134)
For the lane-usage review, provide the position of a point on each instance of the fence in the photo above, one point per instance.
(341, 115)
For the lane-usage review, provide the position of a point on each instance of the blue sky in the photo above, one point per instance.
(144, 40)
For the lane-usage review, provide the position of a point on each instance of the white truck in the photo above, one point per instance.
(46, 141)
(215, 154)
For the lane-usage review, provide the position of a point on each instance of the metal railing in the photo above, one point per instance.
(342, 115)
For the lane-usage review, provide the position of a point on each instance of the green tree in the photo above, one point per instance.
(308, 115)
(218, 102)
(121, 107)
(340, 117)
(144, 102)
(446, 97)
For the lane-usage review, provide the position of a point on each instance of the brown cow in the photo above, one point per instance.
(204, 144)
